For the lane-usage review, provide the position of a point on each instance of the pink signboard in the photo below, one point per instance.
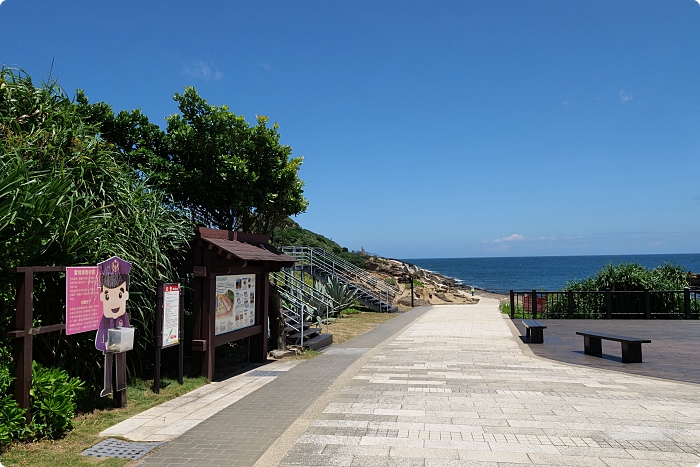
(83, 311)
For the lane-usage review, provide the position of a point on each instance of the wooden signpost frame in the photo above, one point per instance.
(24, 317)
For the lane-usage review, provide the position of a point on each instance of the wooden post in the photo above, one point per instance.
(257, 345)
(534, 304)
(23, 321)
(512, 304)
(570, 299)
(158, 335)
(208, 324)
(181, 335)
(686, 301)
(120, 366)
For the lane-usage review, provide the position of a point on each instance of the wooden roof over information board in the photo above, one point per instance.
(243, 246)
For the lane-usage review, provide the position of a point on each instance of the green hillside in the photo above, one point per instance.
(292, 234)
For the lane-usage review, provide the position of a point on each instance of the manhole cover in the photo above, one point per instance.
(116, 448)
(264, 373)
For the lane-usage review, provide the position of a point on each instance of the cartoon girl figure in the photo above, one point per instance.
(114, 292)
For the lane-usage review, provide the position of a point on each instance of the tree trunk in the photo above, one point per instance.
(277, 338)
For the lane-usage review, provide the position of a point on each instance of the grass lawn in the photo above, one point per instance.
(356, 321)
(87, 426)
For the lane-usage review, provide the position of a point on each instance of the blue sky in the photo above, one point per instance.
(429, 129)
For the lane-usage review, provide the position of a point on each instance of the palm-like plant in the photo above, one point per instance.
(343, 295)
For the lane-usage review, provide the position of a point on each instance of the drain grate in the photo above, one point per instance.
(124, 449)
(264, 373)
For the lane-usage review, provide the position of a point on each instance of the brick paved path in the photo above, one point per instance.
(454, 388)
(239, 434)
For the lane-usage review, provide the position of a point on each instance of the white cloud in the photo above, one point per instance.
(519, 238)
(266, 66)
(565, 104)
(510, 238)
(203, 70)
(625, 96)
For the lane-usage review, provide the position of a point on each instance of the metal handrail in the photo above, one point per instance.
(364, 281)
(298, 297)
(286, 280)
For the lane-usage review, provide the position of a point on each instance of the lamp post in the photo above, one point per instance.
(410, 273)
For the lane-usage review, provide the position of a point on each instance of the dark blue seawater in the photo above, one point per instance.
(539, 272)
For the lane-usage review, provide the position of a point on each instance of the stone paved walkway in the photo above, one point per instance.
(455, 389)
(452, 388)
(173, 418)
(238, 435)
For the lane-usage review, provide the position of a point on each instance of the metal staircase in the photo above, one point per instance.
(303, 307)
(370, 290)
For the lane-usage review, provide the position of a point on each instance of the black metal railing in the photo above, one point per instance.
(605, 304)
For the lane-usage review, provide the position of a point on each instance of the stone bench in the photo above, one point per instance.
(631, 346)
(534, 331)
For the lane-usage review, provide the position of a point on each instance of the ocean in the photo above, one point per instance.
(539, 272)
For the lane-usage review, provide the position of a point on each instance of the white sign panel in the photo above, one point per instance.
(171, 314)
(235, 303)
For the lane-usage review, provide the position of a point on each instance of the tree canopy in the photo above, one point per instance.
(224, 172)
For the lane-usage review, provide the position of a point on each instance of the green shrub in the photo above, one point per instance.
(416, 284)
(390, 280)
(633, 276)
(54, 395)
(504, 307)
(11, 415)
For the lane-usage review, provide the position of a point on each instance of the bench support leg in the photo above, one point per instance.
(631, 352)
(592, 346)
(536, 335)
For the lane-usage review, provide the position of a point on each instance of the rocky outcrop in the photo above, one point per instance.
(429, 288)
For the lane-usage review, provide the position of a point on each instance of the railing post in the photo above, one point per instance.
(533, 302)
(570, 299)
(608, 304)
(512, 305)
(686, 301)
(302, 327)
(647, 304)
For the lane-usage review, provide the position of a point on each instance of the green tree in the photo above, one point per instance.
(67, 199)
(210, 161)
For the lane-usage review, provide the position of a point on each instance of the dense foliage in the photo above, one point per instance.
(53, 399)
(633, 276)
(289, 233)
(79, 184)
(66, 199)
(224, 172)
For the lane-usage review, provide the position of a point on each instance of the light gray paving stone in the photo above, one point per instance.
(456, 388)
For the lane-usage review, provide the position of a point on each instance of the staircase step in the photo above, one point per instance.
(307, 332)
(294, 329)
(319, 342)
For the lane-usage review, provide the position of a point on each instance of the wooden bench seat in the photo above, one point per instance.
(631, 346)
(534, 331)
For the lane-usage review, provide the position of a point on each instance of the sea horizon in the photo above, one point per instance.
(504, 273)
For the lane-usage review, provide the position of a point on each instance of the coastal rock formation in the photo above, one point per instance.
(429, 289)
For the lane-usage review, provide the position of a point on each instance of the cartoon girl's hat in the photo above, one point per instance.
(114, 265)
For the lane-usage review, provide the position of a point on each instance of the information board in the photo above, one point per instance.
(83, 311)
(235, 303)
(171, 314)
